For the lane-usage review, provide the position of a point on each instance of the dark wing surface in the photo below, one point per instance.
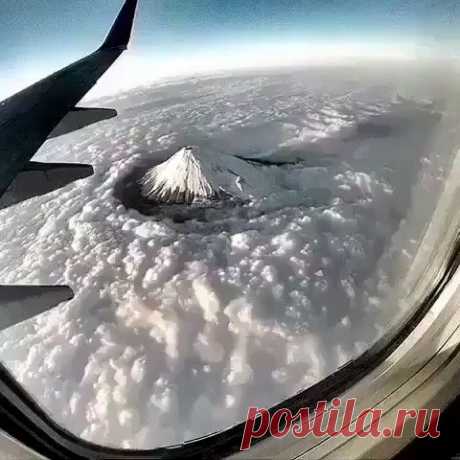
(44, 110)
(29, 118)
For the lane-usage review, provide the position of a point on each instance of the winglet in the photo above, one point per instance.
(120, 33)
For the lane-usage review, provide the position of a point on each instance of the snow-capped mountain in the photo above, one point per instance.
(193, 175)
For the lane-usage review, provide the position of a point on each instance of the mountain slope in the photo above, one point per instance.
(193, 175)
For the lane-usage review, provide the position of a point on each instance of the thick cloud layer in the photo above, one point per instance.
(180, 322)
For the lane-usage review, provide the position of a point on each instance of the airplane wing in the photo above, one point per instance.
(20, 303)
(48, 108)
(45, 110)
(38, 179)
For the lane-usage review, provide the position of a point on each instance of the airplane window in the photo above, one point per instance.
(228, 217)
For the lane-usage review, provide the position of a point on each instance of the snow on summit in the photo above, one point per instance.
(191, 174)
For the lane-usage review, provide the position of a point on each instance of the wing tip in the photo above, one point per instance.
(120, 33)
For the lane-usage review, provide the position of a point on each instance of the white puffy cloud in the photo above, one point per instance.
(177, 326)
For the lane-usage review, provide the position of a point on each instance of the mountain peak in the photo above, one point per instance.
(192, 175)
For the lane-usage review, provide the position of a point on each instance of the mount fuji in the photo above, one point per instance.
(192, 175)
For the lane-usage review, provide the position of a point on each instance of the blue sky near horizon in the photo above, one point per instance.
(41, 35)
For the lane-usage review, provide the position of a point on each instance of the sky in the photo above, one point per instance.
(176, 37)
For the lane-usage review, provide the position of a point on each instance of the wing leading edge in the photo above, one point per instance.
(27, 120)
